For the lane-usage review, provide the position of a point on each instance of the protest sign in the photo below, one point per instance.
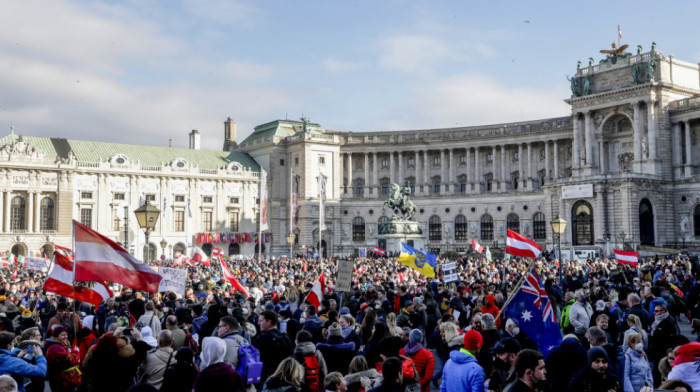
(174, 280)
(37, 264)
(344, 281)
(448, 270)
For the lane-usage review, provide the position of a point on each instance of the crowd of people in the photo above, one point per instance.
(395, 330)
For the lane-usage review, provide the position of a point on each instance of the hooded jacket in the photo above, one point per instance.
(564, 361)
(305, 349)
(19, 368)
(337, 356)
(462, 374)
(353, 380)
(424, 362)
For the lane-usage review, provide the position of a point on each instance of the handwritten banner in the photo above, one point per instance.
(174, 280)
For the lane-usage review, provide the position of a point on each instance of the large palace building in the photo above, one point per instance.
(620, 169)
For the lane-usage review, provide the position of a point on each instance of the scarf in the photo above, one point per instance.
(346, 331)
(657, 320)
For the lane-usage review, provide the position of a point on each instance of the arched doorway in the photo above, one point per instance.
(258, 247)
(152, 252)
(324, 249)
(646, 223)
(234, 249)
(582, 227)
(179, 247)
(47, 250)
(19, 250)
(207, 248)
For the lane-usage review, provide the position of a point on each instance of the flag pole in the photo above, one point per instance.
(75, 326)
(260, 217)
(517, 286)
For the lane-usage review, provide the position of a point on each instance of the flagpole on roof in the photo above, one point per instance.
(517, 287)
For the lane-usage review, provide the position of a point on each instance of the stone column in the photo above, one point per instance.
(494, 182)
(401, 173)
(375, 174)
(637, 132)
(576, 144)
(556, 159)
(470, 177)
(416, 165)
(366, 179)
(651, 125)
(478, 176)
(30, 212)
(426, 172)
(350, 184)
(601, 156)
(443, 175)
(37, 213)
(589, 139)
(4, 215)
(529, 166)
(547, 163)
(521, 172)
(688, 150)
(392, 167)
(677, 151)
(504, 174)
(452, 180)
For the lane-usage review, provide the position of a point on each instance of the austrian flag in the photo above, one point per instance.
(627, 257)
(477, 247)
(60, 281)
(519, 245)
(316, 294)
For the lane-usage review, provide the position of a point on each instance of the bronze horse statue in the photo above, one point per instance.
(398, 199)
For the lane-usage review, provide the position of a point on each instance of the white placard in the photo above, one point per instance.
(344, 281)
(451, 278)
(449, 266)
(36, 264)
(174, 280)
(577, 191)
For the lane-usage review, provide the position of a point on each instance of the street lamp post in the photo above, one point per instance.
(163, 244)
(147, 216)
(558, 227)
(290, 241)
(170, 250)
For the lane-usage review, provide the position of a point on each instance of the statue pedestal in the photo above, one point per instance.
(399, 230)
(393, 241)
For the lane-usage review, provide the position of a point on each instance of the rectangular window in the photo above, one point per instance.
(233, 221)
(179, 198)
(116, 221)
(436, 160)
(296, 161)
(462, 186)
(151, 197)
(180, 220)
(118, 196)
(385, 163)
(86, 195)
(463, 159)
(281, 162)
(411, 161)
(233, 200)
(207, 199)
(489, 157)
(86, 216)
(516, 156)
(206, 221)
(321, 160)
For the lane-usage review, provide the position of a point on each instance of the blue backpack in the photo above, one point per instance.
(249, 365)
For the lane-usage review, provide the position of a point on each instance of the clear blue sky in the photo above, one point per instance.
(139, 71)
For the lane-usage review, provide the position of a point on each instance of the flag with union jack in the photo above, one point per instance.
(531, 309)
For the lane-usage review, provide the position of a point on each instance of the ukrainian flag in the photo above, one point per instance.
(420, 261)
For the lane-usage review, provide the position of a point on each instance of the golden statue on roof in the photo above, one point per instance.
(615, 51)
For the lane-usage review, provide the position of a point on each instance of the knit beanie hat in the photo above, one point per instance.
(416, 336)
(473, 340)
(687, 353)
(344, 310)
(335, 330)
(597, 352)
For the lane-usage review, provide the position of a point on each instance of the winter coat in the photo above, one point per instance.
(462, 374)
(580, 316)
(314, 325)
(18, 368)
(349, 335)
(219, 377)
(306, 349)
(275, 384)
(637, 371)
(634, 329)
(564, 361)
(86, 338)
(179, 377)
(233, 342)
(149, 319)
(156, 363)
(337, 356)
(274, 346)
(589, 381)
(424, 362)
(62, 371)
(662, 338)
(353, 380)
(653, 303)
(643, 315)
(113, 371)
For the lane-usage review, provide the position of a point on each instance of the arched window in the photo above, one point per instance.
(359, 188)
(358, 229)
(152, 252)
(646, 223)
(461, 228)
(382, 221)
(18, 213)
(385, 187)
(486, 228)
(462, 186)
(539, 226)
(582, 227)
(207, 248)
(513, 222)
(179, 247)
(434, 228)
(696, 220)
(234, 249)
(47, 214)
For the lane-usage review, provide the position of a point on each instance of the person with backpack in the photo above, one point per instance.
(68, 320)
(217, 375)
(422, 358)
(313, 362)
(274, 346)
(229, 331)
(180, 376)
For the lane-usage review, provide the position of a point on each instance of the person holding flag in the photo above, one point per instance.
(420, 261)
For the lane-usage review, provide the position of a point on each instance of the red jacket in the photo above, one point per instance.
(424, 362)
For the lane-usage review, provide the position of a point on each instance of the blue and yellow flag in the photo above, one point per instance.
(418, 260)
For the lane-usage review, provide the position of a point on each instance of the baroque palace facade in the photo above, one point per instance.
(621, 169)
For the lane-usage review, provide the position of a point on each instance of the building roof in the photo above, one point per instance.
(281, 128)
(92, 151)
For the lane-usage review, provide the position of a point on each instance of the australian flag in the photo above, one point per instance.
(531, 310)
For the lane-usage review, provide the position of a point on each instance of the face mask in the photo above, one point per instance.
(584, 299)
(639, 347)
(500, 364)
(516, 330)
(166, 310)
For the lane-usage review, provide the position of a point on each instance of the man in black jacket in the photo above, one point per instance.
(274, 346)
(636, 308)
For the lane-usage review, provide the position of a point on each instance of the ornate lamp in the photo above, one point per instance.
(147, 216)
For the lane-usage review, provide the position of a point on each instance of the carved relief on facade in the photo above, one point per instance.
(20, 180)
(179, 186)
(233, 189)
(207, 188)
(149, 185)
(85, 182)
(49, 182)
(119, 184)
(19, 147)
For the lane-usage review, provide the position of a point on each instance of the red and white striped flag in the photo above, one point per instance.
(64, 251)
(60, 281)
(316, 294)
(217, 253)
(477, 247)
(379, 251)
(619, 32)
(201, 257)
(627, 257)
(232, 279)
(519, 245)
(97, 258)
